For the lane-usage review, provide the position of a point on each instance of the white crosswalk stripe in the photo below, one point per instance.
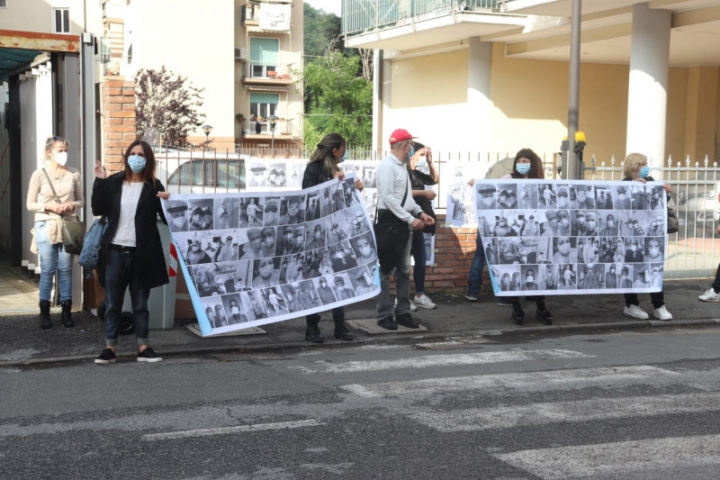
(615, 459)
(442, 360)
(558, 379)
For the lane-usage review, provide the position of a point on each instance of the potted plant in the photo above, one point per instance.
(239, 117)
(272, 73)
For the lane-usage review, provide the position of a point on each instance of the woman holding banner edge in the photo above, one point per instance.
(527, 164)
(635, 169)
(323, 166)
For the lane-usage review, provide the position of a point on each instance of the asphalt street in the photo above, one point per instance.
(630, 405)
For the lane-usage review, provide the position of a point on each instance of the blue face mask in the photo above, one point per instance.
(344, 157)
(136, 163)
(412, 152)
(644, 172)
(421, 163)
(522, 168)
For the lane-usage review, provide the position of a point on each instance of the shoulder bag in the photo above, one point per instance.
(90, 255)
(73, 230)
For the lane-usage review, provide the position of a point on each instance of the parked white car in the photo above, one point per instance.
(183, 174)
(698, 203)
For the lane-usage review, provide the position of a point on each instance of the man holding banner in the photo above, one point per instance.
(400, 216)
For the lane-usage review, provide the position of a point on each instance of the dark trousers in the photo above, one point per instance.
(657, 298)
(476, 269)
(716, 283)
(313, 319)
(420, 256)
(119, 275)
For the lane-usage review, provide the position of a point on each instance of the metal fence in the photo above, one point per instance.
(366, 15)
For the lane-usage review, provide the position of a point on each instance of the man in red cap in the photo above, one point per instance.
(397, 215)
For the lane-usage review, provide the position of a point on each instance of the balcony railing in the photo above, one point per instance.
(281, 73)
(366, 15)
(251, 15)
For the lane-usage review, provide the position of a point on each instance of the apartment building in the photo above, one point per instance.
(493, 75)
(244, 54)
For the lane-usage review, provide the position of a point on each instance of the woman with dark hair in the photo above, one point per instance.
(323, 166)
(528, 165)
(54, 195)
(423, 197)
(131, 254)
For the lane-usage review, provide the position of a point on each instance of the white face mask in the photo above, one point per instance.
(61, 158)
(234, 310)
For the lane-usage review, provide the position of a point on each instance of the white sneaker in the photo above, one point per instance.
(637, 312)
(710, 296)
(424, 302)
(413, 308)
(662, 314)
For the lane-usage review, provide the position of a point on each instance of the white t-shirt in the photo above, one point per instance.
(125, 234)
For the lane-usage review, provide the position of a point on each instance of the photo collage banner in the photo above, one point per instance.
(572, 237)
(365, 171)
(254, 258)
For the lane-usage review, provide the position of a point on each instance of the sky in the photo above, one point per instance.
(330, 6)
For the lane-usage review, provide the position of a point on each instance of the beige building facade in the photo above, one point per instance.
(493, 76)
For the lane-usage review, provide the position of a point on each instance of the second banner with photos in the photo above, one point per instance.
(255, 258)
(572, 237)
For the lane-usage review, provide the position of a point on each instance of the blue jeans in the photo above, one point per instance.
(119, 274)
(476, 269)
(53, 257)
(420, 255)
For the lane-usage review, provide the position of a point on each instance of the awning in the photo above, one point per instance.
(12, 59)
(19, 49)
(264, 89)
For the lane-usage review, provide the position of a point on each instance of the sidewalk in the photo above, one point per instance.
(23, 343)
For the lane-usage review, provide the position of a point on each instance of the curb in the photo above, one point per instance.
(390, 338)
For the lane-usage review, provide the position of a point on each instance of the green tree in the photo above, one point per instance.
(320, 30)
(337, 99)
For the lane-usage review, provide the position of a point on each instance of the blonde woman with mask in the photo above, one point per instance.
(51, 208)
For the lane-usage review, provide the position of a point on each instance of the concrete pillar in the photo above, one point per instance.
(647, 91)
(479, 104)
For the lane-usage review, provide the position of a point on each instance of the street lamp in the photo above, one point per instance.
(207, 129)
(273, 120)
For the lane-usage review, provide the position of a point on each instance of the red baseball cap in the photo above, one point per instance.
(400, 135)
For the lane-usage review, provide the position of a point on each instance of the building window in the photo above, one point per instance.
(61, 20)
(264, 54)
(262, 105)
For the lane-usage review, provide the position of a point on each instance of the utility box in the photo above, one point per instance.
(161, 304)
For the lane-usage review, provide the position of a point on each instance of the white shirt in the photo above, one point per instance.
(392, 181)
(125, 234)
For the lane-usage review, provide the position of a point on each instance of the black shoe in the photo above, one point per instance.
(107, 356)
(406, 320)
(544, 317)
(388, 323)
(66, 317)
(45, 314)
(518, 316)
(313, 335)
(341, 331)
(148, 355)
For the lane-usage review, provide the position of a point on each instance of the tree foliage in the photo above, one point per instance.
(168, 103)
(320, 29)
(337, 99)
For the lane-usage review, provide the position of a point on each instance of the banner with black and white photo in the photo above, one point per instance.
(254, 258)
(572, 237)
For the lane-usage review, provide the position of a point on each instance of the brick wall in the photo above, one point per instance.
(454, 251)
(118, 124)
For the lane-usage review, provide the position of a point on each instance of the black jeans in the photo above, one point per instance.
(716, 283)
(657, 298)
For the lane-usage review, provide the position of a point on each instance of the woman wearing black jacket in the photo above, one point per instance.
(131, 253)
(323, 166)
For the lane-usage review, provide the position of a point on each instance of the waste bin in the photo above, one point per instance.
(161, 303)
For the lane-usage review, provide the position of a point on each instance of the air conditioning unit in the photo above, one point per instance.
(240, 53)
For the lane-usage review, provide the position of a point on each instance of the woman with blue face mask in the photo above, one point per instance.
(528, 165)
(131, 254)
(636, 169)
(55, 194)
(331, 151)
